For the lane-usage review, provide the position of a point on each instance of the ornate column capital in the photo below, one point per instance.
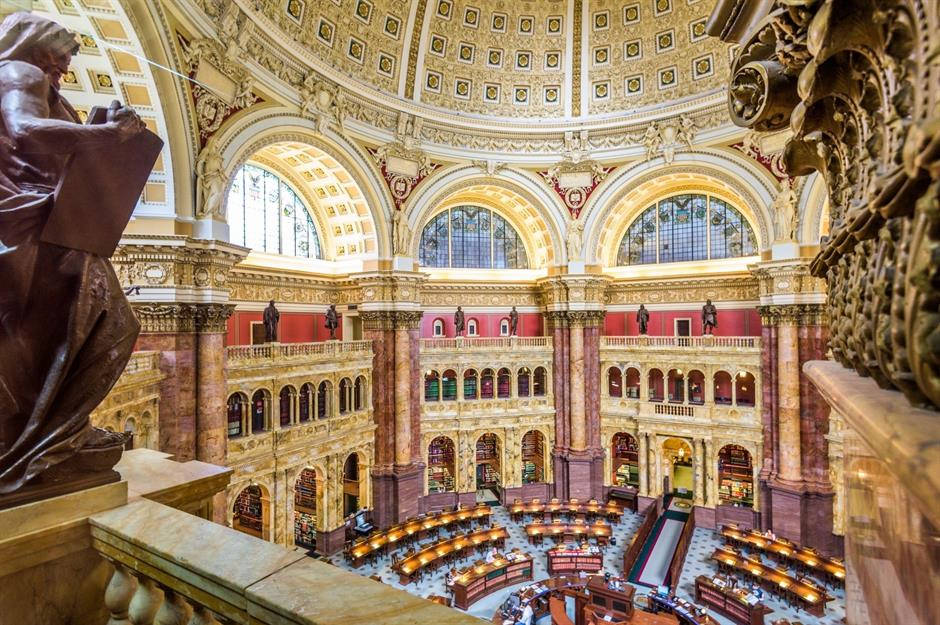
(212, 317)
(390, 319)
(170, 318)
(794, 314)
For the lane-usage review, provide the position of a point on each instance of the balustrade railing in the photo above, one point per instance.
(273, 351)
(141, 362)
(699, 342)
(483, 343)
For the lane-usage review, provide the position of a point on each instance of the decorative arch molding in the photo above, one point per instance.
(265, 128)
(813, 207)
(712, 171)
(541, 230)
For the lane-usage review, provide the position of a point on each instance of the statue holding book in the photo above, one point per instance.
(67, 191)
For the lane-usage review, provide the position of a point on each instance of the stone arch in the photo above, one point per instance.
(630, 190)
(536, 214)
(370, 200)
(813, 210)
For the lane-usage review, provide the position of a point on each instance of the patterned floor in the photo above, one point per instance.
(697, 563)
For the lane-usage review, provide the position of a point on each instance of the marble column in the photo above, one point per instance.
(576, 380)
(709, 470)
(788, 401)
(643, 458)
(698, 489)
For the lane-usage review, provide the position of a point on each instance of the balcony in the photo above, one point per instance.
(489, 344)
(685, 343)
(240, 355)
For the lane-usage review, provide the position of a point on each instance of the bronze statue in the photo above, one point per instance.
(709, 317)
(66, 328)
(459, 321)
(513, 321)
(643, 318)
(271, 318)
(332, 321)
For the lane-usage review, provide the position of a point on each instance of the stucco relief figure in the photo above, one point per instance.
(575, 231)
(66, 328)
(211, 180)
(709, 317)
(459, 321)
(643, 319)
(785, 218)
(402, 233)
(513, 321)
(652, 141)
(271, 318)
(332, 321)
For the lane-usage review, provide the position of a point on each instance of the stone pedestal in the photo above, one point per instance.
(396, 494)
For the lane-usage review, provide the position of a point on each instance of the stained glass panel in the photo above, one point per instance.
(471, 237)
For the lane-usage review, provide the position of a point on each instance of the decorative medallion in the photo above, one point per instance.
(402, 168)
(601, 20)
(631, 14)
(445, 9)
(465, 52)
(702, 67)
(526, 25)
(392, 27)
(553, 25)
(498, 22)
(363, 11)
(295, 10)
(633, 85)
(523, 60)
(520, 95)
(438, 45)
(575, 182)
(491, 93)
(632, 49)
(551, 94)
(665, 41)
(462, 88)
(697, 30)
(325, 31)
(553, 59)
(386, 64)
(471, 17)
(601, 90)
(602, 55)
(433, 82)
(494, 57)
(667, 77)
(662, 7)
(356, 50)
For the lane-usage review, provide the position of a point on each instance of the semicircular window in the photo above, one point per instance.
(686, 228)
(471, 237)
(266, 215)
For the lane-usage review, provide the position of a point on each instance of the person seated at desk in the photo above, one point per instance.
(492, 555)
(528, 614)
(452, 577)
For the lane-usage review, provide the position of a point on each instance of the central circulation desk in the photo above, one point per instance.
(419, 527)
(478, 581)
(569, 531)
(731, 603)
(433, 554)
(801, 556)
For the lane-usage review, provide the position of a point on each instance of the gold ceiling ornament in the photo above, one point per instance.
(856, 82)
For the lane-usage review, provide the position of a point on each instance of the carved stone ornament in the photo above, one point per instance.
(401, 182)
(856, 81)
(574, 181)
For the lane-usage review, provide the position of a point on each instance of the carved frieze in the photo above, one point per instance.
(682, 291)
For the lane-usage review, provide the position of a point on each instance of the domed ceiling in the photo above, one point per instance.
(545, 59)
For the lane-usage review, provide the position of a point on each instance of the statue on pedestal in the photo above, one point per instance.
(459, 321)
(66, 328)
(709, 317)
(332, 321)
(643, 318)
(271, 318)
(513, 321)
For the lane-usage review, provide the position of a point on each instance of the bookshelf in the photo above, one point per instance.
(305, 509)
(735, 476)
(533, 457)
(625, 460)
(487, 455)
(248, 511)
(441, 465)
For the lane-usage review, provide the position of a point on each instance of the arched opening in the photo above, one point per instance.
(655, 378)
(744, 389)
(631, 383)
(249, 511)
(676, 386)
(306, 490)
(681, 478)
(237, 407)
(437, 329)
(614, 382)
(472, 328)
(130, 428)
(432, 386)
(345, 390)
(471, 236)
(259, 411)
(324, 399)
(351, 485)
(696, 387)
(441, 465)
(504, 384)
(286, 406)
(723, 388)
(523, 379)
(306, 399)
(488, 467)
(625, 460)
(359, 393)
(539, 381)
(470, 384)
(486, 384)
(504, 327)
(449, 385)
(735, 476)
(533, 457)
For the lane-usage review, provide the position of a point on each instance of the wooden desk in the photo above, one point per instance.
(478, 581)
(811, 598)
(433, 554)
(730, 603)
(612, 511)
(572, 561)
(418, 527)
(827, 567)
(569, 531)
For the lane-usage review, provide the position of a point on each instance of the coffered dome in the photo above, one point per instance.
(552, 60)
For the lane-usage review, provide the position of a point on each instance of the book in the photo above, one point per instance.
(97, 194)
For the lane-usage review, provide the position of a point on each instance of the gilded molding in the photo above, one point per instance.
(798, 314)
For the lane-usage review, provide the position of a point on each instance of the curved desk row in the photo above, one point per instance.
(378, 543)
(481, 580)
(830, 569)
(569, 531)
(434, 554)
(612, 511)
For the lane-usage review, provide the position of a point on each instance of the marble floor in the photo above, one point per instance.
(697, 563)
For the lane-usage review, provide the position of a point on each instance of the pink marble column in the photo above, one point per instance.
(576, 381)
(402, 397)
(788, 402)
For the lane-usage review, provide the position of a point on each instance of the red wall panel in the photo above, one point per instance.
(731, 322)
(293, 327)
(530, 324)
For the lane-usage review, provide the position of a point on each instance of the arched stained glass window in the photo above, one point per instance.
(471, 237)
(685, 228)
(266, 215)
